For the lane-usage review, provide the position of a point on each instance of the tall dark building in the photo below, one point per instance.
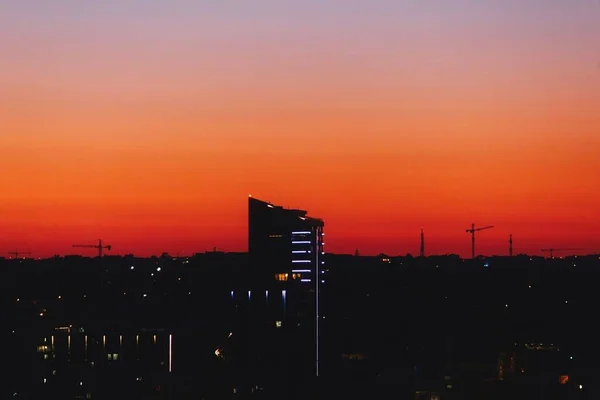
(285, 277)
(284, 245)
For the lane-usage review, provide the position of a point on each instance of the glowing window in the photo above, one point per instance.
(281, 277)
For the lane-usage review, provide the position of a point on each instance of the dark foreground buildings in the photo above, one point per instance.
(244, 325)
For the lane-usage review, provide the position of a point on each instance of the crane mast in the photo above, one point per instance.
(16, 253)
(552, 250)
(98, 246)
(472, 232)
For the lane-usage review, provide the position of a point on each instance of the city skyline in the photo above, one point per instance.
(93, 245)
(148, 125)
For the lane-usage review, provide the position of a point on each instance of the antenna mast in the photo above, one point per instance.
(422, 252)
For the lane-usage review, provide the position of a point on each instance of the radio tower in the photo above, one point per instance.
(422, 252)
(510, 253)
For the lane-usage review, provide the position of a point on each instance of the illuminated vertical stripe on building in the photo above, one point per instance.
(317, 301)
(170, 352)
(283, 297)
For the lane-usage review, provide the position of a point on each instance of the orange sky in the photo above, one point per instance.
(150, 132)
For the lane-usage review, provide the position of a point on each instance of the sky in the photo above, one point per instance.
(148, 123)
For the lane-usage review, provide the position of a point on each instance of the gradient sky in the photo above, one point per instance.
(148, 123)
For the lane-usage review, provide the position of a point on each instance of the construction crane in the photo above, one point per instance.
(98, 246)
(16, 253)
(552, 250)
(510, 253)
(472, 232)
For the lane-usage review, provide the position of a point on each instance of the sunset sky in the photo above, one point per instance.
(148, 123)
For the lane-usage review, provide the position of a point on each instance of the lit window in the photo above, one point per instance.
(281, 277)
(278, 324)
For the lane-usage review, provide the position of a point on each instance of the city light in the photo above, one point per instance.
(170, 352)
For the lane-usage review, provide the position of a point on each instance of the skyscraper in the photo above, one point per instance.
(284, 245)
(287, 260)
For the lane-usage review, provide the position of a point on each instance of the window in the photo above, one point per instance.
(275, 236)
(281, 277)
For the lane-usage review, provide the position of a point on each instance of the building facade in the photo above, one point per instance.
(284, 245)
(286, 276)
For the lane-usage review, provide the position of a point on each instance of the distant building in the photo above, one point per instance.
(533, 361)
